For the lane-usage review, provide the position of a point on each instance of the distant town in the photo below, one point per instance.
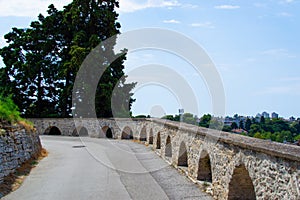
(263, 126)
(242, 119)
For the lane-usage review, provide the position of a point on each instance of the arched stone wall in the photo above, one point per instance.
(168, 147)
(204, 167)
(107, 132)
(274, 169)
(150, 140)
(241, 186)
(143, 134)
(183, 155)
(80, 131)
(127, 133)
(52, 130)
(158, 141)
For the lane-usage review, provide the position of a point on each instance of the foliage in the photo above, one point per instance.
(226, 128)
(215, 123)
(189, 118)
(8, 110)
(278, 130)
(42, 61)
(140, 116)
(205, 120)
(234, 125)
(169, 117)
(248, 124)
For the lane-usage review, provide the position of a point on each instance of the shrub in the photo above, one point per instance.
(8, 110)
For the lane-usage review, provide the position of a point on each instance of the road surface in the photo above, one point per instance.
(96, 169)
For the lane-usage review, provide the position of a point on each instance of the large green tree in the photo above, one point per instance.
(42, 61)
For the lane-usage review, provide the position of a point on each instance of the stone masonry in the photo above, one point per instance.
(234, 166)
(16, 147)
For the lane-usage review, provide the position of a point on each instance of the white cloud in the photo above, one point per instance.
(172, 21)
(135, 5)
(227, 7)
(284, 14)
(286, 1)
(283, 2)
(260, 5)
(191, 6)
(203, 25)
(29, 8)
(281, 90)
(278, 53)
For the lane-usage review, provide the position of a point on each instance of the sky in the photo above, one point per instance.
(254, 45)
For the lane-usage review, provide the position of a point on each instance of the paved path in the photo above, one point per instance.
(103, 169)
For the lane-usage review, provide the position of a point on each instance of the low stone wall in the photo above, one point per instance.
(16, 146)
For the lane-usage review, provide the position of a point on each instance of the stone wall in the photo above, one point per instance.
(234, 166)
(16, 146)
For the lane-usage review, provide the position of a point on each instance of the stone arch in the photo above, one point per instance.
(241, 186)
(80, 131)
(182, 156)
(168, 149)
(52, 130)
(143, 134)
(107, 132)
(158, 141)
(151, 136)
(204, 167)
(127, 133)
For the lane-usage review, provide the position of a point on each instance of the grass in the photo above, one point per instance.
(9, 110)
(10, 115)
(14, 180)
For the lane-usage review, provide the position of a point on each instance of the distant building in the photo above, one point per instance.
(237, 119)
(292, 119)
(265, 115)
(239, 131)
(258, 115)
(274, 115)
(228, 121)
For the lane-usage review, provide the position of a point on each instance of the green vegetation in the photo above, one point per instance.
(9, 113)
(8, 110)
(278, 130)
(142, 116)
(41, 62)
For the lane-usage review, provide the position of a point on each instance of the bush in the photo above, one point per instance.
(8, 110)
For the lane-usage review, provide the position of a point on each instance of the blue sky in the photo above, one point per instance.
(255, 46)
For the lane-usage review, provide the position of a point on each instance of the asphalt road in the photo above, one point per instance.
(86, 168)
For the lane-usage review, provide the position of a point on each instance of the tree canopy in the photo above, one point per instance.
(41, 62)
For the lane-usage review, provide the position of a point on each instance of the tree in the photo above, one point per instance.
(262, 120)
(297, 138)
(241, 124)
(226, 128)
(205, 120)
(188, 118)
(216, 123)
(258, 135)
(42, 61)
(248, 124)
(254, 129)
(169, 117)
(234, 125)
(28, 59)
